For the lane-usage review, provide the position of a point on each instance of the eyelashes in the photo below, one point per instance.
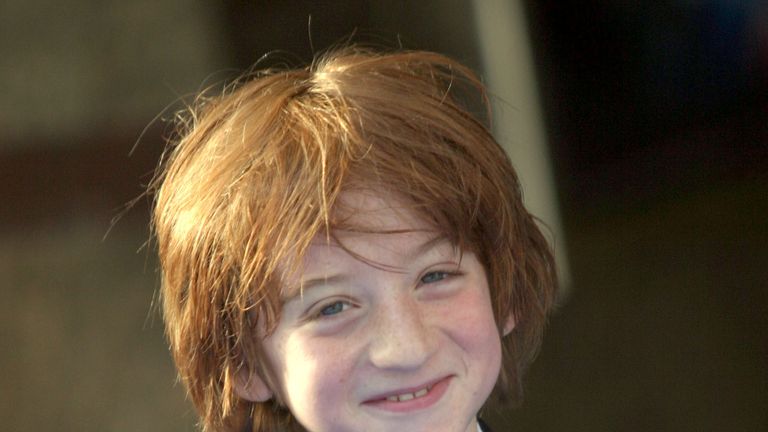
(334, 308)
(328, 308)
(437, 276)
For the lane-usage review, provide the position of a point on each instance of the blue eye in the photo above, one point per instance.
(434, 276)
(334, 308)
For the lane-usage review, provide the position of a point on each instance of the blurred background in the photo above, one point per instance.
(646, 152)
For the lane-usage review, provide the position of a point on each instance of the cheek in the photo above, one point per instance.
(472, 326)
(481, 342)
(473, 316)
(313, 376)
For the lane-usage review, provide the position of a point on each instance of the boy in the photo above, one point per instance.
(345, 248)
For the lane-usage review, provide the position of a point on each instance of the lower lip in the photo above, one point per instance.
(426, 401)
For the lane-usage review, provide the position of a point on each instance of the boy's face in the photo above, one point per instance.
(401, 337)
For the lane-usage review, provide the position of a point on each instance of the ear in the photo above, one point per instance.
(509, 324)
(252, 388)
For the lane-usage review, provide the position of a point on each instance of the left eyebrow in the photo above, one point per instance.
(427, 246)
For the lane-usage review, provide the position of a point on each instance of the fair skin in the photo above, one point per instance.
(400, 336)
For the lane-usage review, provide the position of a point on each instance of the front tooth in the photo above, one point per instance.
(405, 397)
(408, 396)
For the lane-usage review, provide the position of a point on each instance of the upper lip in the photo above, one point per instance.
(405, 390)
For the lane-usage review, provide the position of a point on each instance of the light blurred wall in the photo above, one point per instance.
(81, 346)
(74, 68)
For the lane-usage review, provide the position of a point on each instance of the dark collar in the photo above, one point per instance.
(483, 425)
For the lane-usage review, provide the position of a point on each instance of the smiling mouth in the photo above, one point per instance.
(412, 399)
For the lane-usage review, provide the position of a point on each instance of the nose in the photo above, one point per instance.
(401, 338)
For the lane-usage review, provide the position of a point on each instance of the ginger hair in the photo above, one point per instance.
(255, 173)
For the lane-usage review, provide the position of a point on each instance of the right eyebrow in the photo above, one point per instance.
(298, 291)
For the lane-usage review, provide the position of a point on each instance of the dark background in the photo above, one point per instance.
(657, 118)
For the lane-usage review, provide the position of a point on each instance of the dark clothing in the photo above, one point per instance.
(483, 426)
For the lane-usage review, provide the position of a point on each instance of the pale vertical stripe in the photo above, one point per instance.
(518, 124)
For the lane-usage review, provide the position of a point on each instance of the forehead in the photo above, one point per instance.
(368, 226)
(376, 211)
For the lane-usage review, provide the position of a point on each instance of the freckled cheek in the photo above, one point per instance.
(316, 374)
(470, 321)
